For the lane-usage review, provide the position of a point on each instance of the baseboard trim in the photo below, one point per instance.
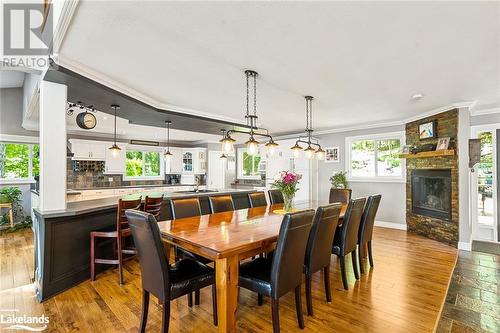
(466, 246)
(391, 225)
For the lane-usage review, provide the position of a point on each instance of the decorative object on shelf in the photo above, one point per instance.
(443, 144)
(114, 148)
(168, 154)
(286, 182)
(422, 148)
(332, 155)
(406, 149)
(474, 152)
(308, 139)
(427, 130)
(252, 144)
(339, 180)
(86, 119)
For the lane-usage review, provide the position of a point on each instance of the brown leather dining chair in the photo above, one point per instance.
(275, 197)
(346, 237)
(164, 281)
(366, 229)
(342, 195)
(221, 203)
(257, 199)
(276, 276)
(121, 233)
(183, 208)
(319, 249)
(152, 205)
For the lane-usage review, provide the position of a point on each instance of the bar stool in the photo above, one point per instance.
(121, 232)
(152, 205)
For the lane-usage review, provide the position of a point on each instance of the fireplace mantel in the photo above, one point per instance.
(429, 154)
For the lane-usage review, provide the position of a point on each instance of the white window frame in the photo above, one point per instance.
(380, 136)
(30, 179)
(144, 150)
(239, 165)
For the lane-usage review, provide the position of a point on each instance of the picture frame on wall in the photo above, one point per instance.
(427, 130)
(443, 144)
(332, 155)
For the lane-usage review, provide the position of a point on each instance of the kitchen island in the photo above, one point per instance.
(62, 238)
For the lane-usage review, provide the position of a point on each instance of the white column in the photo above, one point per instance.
(52, 146)
(465, 221)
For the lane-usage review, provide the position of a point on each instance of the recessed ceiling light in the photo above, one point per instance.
(417, 97)
(105, 118)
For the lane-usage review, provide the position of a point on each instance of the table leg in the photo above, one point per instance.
(11, 216)
(364, 251)
(226, 277)
(167, 247)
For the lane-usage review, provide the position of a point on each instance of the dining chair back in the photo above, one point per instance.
(275, 197)
(346, 238)
(318, 250)
(342, 195)
(159, 278)
(257, 199)
(152, 205)
(287, 266)
(185, 207)
(366, 228)
(221, 203)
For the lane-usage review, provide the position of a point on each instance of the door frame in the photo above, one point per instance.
(218, 153)
(473, 201)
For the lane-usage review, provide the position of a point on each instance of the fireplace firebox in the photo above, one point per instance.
(431, 193)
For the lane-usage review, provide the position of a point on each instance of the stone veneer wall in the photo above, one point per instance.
(440, 230)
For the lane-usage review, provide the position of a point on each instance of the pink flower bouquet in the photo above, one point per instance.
(286, 182)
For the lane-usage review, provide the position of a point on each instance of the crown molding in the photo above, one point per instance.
(482, 112)
(67, 12)
(113, 84)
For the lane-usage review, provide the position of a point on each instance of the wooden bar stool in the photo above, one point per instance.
(152, 205)
(121, 233)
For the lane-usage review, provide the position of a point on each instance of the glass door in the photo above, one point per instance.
(484, 189)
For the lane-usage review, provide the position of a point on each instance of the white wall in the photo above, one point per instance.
(393, 205)
(11, 112)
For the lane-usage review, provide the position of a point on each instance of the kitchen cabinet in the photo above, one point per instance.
(194, 160)
(188, 160)
(174, 164)
(115, 162)
(88, 150)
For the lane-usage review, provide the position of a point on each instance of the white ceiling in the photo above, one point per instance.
(11, 79)
(362, 61)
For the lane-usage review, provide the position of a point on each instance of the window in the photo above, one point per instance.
(375, 157)
(142, 164)
(248, 165)
(18, 161)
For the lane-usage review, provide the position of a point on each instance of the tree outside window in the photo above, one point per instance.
(142, 164)
(18, 161)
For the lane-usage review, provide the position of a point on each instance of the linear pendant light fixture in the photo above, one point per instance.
(114, 148)
(308, 139)
(252, 144)
(168, 154)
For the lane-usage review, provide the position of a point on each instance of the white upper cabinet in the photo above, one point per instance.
(115, 162)
(88, 150)
(174, 164)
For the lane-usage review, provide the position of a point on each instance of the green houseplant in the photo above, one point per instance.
(339, 180)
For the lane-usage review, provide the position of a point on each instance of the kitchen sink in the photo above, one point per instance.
(197, 191)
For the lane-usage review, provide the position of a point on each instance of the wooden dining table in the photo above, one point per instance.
(226, 238)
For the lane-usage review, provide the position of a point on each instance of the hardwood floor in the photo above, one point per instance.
(404, 292)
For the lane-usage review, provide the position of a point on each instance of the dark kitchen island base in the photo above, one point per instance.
(62, 238)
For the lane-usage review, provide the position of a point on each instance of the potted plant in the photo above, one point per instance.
(339, 180)
(286, 182)
(13, 195)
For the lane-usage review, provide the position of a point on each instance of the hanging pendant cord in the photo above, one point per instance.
(255, 94)
(168, 136)
(248, 98)
(115, 124)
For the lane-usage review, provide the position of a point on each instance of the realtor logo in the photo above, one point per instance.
(27, 29)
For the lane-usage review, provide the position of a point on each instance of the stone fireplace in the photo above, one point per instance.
(431, 193)
(432, 183)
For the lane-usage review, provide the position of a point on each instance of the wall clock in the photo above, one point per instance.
(86, 120)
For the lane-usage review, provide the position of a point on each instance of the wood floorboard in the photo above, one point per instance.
(404, 292)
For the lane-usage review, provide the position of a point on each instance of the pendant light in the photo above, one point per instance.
(308, 139)
(114, 148)
(168, 154)
(252, 144)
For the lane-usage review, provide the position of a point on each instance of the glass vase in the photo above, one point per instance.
(288, 202)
